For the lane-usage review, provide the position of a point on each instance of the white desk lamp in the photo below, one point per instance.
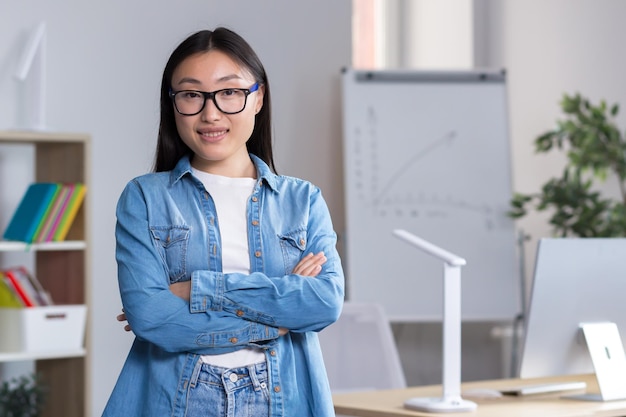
(451, 400)
(34, 56)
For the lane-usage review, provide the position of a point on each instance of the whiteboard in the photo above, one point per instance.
(428, 152)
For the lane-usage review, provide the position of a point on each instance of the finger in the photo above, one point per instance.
(305, 263)
(308, 263)
(310, 266)
(298, 267)
(312, 271)
(127, 327)
(121, 317)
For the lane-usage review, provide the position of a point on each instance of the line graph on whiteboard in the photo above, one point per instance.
(392, 176)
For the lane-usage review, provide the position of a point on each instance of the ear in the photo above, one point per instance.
(259, 99)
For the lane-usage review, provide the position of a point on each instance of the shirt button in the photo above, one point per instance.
(239, 313)
(302, 242)
(272, 352)
(257, 254)
(255, 199)
(263, 385)
(276, 389)
(255, 222)
(233, 340)
(233, 377)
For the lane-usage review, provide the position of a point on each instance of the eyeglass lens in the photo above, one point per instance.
(227, 101)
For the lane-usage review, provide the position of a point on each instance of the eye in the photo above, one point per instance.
(190, 95)
(230, 93)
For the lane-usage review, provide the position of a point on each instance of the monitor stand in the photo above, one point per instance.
(609, 361)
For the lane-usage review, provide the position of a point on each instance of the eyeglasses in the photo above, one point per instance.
(227, 100)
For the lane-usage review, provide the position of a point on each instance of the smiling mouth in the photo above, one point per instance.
(213, 134)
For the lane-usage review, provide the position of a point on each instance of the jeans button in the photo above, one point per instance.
(233, 377)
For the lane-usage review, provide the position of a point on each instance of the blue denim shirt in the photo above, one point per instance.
(168, 231)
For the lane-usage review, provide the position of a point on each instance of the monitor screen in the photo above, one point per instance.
(576, 280)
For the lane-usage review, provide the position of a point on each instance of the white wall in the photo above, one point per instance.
(550, 48)
(104, 67)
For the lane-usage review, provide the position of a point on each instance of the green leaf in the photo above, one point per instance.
(614, 110)
(596, 150)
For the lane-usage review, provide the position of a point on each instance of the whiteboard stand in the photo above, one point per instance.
(451, 400)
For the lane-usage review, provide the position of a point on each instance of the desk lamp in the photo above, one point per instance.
(451, 400)
(33, 59)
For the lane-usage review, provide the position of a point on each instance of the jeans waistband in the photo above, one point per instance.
(231, 378)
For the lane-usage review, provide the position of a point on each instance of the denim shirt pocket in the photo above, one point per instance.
(171, 242)
(292, 246)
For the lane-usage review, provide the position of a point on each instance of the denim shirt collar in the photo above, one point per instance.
(263, 171)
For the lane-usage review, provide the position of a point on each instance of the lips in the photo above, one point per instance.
(213, 135)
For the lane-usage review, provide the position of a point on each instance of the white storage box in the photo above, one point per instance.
(42, 329)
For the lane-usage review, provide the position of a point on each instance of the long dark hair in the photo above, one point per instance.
(170, 147)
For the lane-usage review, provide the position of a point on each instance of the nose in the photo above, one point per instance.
(210, 111)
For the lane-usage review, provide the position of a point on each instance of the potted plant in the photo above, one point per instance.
(595, 149)
(21, 397)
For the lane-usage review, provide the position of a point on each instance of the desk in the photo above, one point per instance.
(388, 403)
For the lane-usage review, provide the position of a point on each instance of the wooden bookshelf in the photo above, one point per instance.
(62, 268)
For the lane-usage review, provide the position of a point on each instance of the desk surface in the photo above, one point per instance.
(389, 403)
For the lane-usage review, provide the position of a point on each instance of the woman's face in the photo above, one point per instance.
(218, 140)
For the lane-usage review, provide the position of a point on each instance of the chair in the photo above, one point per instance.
(360, 352)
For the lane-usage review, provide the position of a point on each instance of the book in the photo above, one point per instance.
(32, 284)
(54, 215)
(22, 292)
(47, 220)
(46, 213)
(8, 296)
(29, 291)
(29, 214)
(74, 204)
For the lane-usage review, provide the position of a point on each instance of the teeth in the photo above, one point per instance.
(213, 134)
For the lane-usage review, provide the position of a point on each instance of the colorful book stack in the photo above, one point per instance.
(19, 288)
(46, 212)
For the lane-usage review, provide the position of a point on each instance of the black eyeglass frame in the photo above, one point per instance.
(211, 95)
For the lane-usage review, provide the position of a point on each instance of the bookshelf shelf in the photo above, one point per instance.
(30, 356)
(6, 246)
(62, 267)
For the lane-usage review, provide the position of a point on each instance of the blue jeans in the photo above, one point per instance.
(223, 392)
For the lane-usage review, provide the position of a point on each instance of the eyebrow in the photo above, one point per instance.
(191, 80)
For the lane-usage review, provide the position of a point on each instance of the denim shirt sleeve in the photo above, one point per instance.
(154, 313)
(292, 301)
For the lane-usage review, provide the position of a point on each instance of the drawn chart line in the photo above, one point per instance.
(445, 139)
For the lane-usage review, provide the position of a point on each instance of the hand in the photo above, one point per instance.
(181, 289)
(310, 265)
(122, 317)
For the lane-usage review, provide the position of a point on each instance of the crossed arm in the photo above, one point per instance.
(309, 266)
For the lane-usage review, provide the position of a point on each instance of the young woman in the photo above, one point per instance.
(226, 270)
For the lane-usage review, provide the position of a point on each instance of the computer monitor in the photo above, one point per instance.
(576, 280)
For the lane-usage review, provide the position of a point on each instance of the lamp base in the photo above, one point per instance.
(440, 405)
